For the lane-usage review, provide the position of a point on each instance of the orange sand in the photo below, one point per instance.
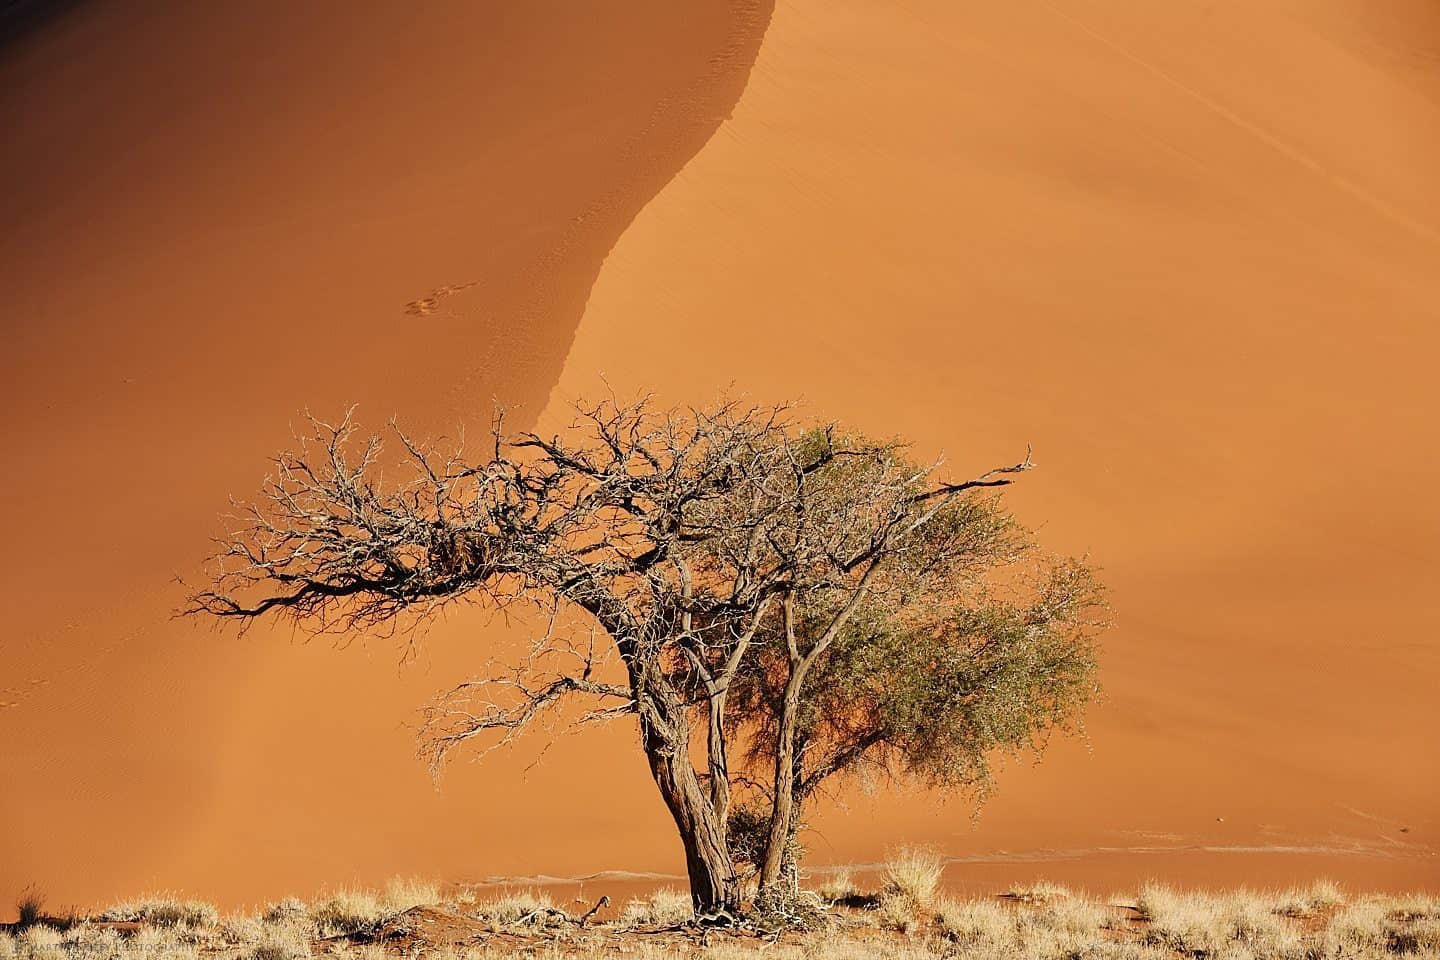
(1188, 252)
(223, 214)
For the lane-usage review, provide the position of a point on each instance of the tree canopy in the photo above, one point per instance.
(807, 599)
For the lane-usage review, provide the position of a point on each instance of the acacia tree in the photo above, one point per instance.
(919, 630)
(685, 538)
(923, 686)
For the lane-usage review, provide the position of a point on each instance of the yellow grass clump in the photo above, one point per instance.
(518, 906)
(353, 910)
(838, 885)
(1041, 891)
(406, 893)
(914, 873)
(663, 908)
(165, 911)
(1321, 895)
(975, 923)
(347, 911)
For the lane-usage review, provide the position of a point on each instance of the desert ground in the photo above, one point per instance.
(905, 918)
(1188, 251)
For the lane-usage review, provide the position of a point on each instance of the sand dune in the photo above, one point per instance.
(217, 216)
(1187, 250)
(1190, 254)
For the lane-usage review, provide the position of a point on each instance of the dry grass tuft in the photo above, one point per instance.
(30, 906)
(1412, 906)
(839, 885)
(898, 913)
(1041, 891)
(287, 939)
(912, 881)
(1320, 896)
(41, 936)
(913, 874)
(164, 911)
(975, 923)
(1421, 937)
(1070, 914)
(663, 908)
(40, 940)
(266, 951)
(1156, 900)
(347, 912)
(288, 910)
(241, 930)
(1357, 929)
(1184, 922)
(353, 911)
(517, 907)
(1243, 924)
(406, 893)
(280, 948)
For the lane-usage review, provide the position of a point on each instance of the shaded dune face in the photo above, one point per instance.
(1189, 251)
(216, 215)
(19, 17)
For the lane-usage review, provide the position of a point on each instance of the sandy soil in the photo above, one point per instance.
(1188, 253)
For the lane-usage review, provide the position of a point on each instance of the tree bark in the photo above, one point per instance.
(782, 809)
(665, 737)
(719, 761)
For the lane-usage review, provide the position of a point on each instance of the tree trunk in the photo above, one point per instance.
(719, 761)
(782, 809)
(713, 885)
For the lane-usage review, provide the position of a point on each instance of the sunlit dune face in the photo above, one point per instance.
(1186, 253)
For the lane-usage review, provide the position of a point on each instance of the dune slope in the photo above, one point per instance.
(217, 215)
(1188, 250)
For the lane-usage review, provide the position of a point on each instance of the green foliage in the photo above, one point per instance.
(935, 697)
(968, 644)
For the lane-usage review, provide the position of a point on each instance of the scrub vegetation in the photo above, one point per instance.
(907, 918)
